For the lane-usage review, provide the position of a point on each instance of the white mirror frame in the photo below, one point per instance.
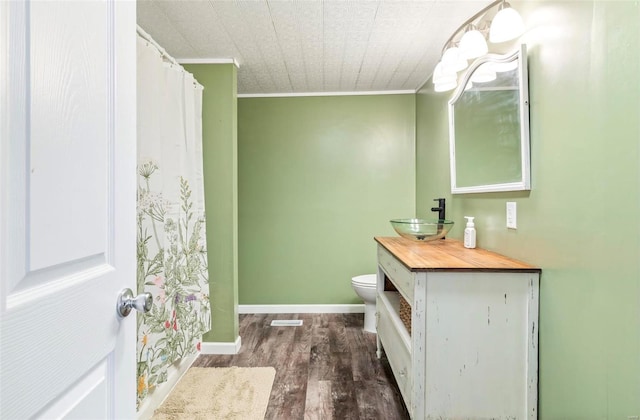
(525, 182)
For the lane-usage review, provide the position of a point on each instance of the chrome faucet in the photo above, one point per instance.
(440, 209)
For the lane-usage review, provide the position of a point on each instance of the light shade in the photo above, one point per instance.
(452, 61)
(473, 44)
(440, 76)
(506, 25)
(443, 87)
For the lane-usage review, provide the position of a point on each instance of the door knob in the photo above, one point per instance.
(141, 303)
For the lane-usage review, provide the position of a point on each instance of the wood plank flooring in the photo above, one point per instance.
(325, 369)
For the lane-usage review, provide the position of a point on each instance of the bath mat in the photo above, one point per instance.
(233, 393)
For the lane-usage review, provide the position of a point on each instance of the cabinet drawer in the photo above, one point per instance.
(397, 352)
(401, 277)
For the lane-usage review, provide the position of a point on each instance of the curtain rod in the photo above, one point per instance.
(152, 41)
(163, 53)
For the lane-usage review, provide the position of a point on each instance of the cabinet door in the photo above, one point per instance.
(481, 344)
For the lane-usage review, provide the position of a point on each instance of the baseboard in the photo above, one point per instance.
(161, 392)
(302, 309)
(221, 347)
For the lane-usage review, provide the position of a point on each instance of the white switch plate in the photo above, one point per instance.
(512, 216)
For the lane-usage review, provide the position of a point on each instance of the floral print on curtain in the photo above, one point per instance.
(172, 265)
(171, 245)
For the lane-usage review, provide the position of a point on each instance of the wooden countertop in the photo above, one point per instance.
(449, 255)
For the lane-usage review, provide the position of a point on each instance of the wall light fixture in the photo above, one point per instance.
(506, 25)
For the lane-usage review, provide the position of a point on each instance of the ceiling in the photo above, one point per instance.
(308, 46)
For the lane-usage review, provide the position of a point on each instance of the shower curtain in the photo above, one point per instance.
(171, 248)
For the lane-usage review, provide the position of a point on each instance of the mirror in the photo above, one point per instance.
(489, 126)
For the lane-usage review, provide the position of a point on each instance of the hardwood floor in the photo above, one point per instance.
(325, 369)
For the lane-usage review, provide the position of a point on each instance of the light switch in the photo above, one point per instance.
(512, 215)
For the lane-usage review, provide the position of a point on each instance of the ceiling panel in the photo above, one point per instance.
(286, 46)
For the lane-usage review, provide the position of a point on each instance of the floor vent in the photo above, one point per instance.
(286, 322)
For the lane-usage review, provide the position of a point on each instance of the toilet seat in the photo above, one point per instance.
(366, 280)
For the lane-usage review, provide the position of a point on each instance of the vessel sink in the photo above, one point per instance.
(422, 230)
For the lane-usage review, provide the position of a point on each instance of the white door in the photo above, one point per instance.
(67, 208)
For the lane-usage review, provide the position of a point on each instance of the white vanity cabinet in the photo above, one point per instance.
(473, 347)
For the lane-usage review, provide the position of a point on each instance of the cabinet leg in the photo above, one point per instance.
(378, 347)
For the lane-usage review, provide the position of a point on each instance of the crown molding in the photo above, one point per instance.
(208, 61)
(297, 94)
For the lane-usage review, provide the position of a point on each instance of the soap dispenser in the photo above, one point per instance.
(470, 233)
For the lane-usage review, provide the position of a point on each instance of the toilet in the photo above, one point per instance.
(365, 288)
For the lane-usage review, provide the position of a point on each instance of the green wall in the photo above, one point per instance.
(580, 220)
(319, 177)
(219, 136)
